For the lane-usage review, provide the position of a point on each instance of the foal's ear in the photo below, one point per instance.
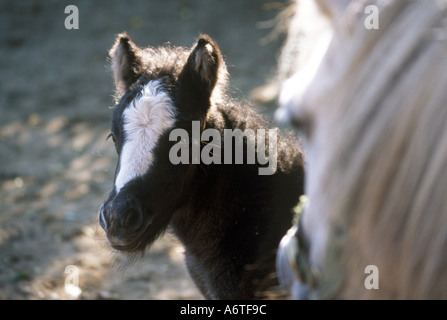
(126, 62)
(203, 64)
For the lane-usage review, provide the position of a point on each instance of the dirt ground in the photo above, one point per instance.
(56, 166)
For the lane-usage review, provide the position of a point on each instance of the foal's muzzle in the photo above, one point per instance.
(123, 221)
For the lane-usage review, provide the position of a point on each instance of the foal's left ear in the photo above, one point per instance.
(203, 64)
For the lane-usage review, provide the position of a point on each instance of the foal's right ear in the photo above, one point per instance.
(126, 62)
(203, 65)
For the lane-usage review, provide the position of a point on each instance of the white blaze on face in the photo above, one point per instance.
(145, 120)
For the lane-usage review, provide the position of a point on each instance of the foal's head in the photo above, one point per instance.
(157, 89)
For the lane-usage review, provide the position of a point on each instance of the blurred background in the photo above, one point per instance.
(56, 166)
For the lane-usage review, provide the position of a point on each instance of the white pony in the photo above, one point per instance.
(371, 104)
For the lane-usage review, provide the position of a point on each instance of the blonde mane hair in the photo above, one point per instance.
(382, 95)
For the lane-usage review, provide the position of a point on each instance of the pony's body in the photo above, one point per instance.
(241, 218)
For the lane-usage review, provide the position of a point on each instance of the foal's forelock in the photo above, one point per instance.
(145, 119)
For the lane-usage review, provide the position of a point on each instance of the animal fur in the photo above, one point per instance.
(229, 219)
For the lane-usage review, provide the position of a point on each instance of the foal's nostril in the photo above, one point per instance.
(102, 220)
(132, 219)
